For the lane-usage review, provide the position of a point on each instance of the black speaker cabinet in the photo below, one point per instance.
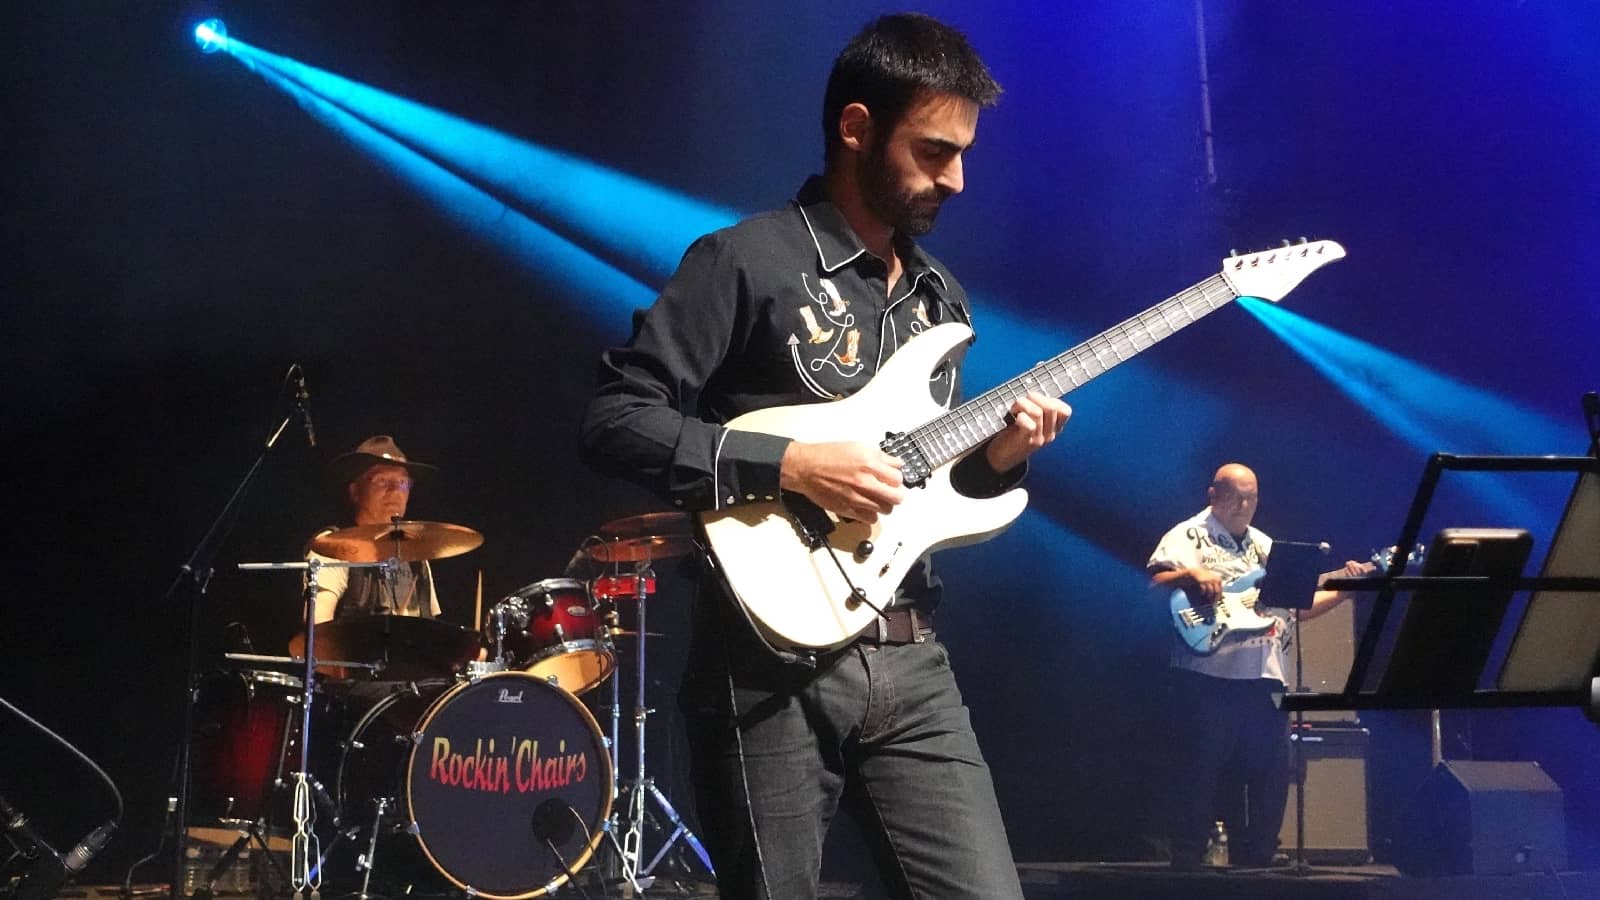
(1334, 760)
(1482, 818)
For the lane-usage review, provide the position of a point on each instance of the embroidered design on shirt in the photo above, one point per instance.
(852, 348)
(825, 320)
(836, 305)
(922, 323)
(817, 333)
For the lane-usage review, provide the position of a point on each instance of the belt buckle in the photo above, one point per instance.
(916, 627)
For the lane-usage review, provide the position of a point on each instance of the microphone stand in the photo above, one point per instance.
(196, 573)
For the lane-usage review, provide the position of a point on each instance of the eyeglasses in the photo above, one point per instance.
(391, 484)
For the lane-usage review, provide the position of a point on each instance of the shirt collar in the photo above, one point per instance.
(837, 243)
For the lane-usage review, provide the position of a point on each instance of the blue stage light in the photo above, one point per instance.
(211, 36)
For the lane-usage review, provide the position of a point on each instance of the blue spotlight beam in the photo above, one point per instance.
(1426, 409)
(638, 226)
(541, 252)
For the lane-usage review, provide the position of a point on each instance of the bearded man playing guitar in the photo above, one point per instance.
(797, 306)
(1231, 738)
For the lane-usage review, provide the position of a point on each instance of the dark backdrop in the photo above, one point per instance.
(179, 232)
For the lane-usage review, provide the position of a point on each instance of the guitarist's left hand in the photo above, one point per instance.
(1035, 421)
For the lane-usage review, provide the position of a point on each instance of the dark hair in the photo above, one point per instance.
(892, 60)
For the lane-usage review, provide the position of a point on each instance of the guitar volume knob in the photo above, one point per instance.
(863, 550)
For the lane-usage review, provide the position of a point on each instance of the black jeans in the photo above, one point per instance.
(879, 728)
(1230, 761)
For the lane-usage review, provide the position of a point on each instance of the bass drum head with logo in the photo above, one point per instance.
(508, 786)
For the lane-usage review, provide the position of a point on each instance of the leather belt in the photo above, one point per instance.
(900, 625)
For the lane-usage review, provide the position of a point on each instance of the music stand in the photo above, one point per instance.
(1579, 687)
(1293, 569)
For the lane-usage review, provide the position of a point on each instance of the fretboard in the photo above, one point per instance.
(970, 424)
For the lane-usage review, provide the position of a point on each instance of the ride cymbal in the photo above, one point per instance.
(408, 541)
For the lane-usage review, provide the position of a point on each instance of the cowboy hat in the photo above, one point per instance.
(376, 450)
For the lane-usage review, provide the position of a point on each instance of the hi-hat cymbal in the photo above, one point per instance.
(407, 541)
(639, 538)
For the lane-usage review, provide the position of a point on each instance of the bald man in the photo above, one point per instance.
(1232, 739)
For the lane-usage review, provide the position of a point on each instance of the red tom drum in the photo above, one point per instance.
(551, 629)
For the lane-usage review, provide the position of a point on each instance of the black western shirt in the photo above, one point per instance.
(783, 308)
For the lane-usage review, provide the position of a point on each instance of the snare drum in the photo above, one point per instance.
(477, 780)
(246, 738)
(550, 629)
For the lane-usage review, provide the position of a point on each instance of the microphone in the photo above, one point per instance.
(301, 403)
(1322, 546)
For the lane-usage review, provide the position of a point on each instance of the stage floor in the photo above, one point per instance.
(1155, 881)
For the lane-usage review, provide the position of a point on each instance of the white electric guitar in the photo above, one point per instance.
(810, 580)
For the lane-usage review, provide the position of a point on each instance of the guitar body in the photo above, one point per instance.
(801, 596)
(1205, 627)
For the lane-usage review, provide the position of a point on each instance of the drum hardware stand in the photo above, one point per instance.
(305, 854)
(197, 572)
(632, 839)
(367, 860)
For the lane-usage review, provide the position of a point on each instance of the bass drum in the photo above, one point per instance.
(499, 787)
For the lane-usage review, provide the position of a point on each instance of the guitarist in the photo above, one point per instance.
(1232, 738)
(803, 305)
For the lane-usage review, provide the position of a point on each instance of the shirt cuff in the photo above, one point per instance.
(747, 467)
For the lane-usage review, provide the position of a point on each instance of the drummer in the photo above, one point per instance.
(376, 479)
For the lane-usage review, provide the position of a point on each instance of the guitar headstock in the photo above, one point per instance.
(1384, 558)
(1270, 274)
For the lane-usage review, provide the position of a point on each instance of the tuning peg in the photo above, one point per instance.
(1303, 239)
(1287, 242)
(1233, 253)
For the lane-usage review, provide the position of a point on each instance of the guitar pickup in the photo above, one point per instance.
(914, 468)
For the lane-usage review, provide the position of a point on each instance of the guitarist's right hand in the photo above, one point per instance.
(849, 479)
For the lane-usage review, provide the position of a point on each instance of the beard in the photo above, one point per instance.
(909, 212)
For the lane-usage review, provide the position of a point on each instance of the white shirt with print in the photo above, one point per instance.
(1201, 541)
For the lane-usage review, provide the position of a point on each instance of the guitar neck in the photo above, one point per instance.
(956, 432)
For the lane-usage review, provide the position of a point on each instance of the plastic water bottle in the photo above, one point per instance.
(1217, 846)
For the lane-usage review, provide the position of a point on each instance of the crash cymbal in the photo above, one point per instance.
(639, 538)
(648, 525)
(407, 647)
(407, 541)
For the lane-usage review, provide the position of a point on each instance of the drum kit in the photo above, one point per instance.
(426, 759)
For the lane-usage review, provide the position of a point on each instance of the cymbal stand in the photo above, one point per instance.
(305, 854)
(632, 840)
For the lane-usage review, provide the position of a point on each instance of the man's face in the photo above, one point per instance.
(906, 175)
(1233, 502)
(380, 493)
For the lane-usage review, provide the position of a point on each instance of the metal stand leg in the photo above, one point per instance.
(367, 860)
(633, 838)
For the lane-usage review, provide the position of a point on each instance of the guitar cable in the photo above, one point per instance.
(814, 539)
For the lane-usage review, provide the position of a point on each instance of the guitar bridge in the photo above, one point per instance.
(914, 469)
